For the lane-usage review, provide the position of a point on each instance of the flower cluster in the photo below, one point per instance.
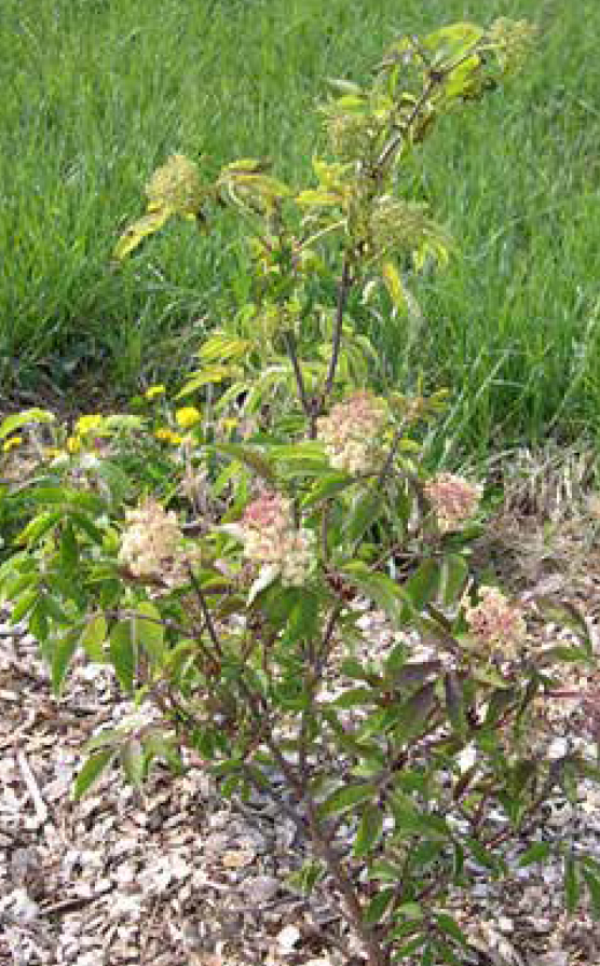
(150, 541)
(453, 498)
(496, 623)
(271, 539)
(175, 187)
(351, 432)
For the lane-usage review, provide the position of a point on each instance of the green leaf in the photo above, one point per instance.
(571, 884)
(379, 905)
(378, 587)
(63, 650)
(423, 585)
(150, 633)
(366, 509)
(306, 877)
(133, 761)
(346, 798)
(135, 233)
(18, 420)
(537, 852)
(250, 456)
(23, 605)
(122, 653)
(93, 637)
(369, 831)
(354, 697)
(453, 577)
(482, 855)
(593, 884)
(449, 926)
(327, 486)
(414, 713)
(39, 525)
(452, 43)
(91, 771)
(455, 703)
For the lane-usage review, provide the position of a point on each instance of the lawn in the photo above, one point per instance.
(97, 93)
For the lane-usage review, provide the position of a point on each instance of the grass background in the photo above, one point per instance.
(97, 93)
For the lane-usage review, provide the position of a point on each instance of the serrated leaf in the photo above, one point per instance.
(369, 831)
(365, 510)
(449, 926)
(267, 576)
(150, 633)
(422, 586)
(346, 798)
(221, 347)
(23, 605)
(379, 905)
(354, 697)
(93, 637)
(380, 588)
(211, 375)
(455, 703)
(593, 886)
(453, 577)
(393, 283)
(122, 653)
(571, 884)
(135, 233)
(249, 456)
(317, 198)
(18, 420)
(537, 852)
(91, 771)
(133, 761)
(63, 650)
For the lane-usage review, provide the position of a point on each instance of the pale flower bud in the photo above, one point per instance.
(496, 623)
(453, 498)
(150, 541)
(271, 539)
(351, 433)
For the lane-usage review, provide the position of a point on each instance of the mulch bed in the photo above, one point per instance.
(176, 876)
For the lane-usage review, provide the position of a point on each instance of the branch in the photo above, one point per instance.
(345, 286)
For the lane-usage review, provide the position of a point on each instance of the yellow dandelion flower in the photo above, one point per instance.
(73, 445)
(187, 417)
(13, 443)
(166, 435)
(88, 424)
(154, 392)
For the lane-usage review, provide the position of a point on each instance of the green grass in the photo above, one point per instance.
(96, 93)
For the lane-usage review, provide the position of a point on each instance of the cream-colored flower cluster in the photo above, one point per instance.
(453, 498)
(271, 539)
(150, 541)
(351, 432)
(175, 187)
(496, 623)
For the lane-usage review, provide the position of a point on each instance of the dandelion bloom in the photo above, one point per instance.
(166, 435)
(187, 417)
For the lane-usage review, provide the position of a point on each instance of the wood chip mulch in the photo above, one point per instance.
(177, 876)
